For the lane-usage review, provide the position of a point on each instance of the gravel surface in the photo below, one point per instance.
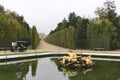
(44, 46)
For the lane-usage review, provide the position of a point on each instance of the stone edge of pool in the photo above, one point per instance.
(21, 56)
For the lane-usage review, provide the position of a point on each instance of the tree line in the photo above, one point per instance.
(80, 32)
(14, 27)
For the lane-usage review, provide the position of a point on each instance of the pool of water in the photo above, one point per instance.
(47, 69)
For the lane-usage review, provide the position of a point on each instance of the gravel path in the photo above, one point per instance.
(44, 46)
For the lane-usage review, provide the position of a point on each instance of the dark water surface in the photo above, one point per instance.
(48, 69)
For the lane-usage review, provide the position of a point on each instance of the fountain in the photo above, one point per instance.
(59, 68)
(73, 61)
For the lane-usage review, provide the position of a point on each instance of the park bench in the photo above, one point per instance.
(4, 48)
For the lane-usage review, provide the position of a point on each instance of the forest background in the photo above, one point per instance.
(77, 32)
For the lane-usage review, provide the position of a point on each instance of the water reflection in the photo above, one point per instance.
(104, 70)
(49, 69)
(17, 71)
(72, 74)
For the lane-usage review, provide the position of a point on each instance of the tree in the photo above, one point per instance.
(71, 37)
(81, 32)
(3, 22)
(60, 26)
(72, 19)
(35, 37)
(100, 12)
(13, 27)
(100, 31)
(2, 9)
(107, 11)
(110, 10)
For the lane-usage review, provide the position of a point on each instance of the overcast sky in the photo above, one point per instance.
(46, 14)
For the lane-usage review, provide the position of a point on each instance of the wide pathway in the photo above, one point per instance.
(44, 46)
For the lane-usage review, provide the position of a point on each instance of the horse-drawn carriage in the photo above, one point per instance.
(19, 46)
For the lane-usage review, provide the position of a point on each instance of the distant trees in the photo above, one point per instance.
(77, 32)
(107, 11)
(64, 38)
(67, 32)
(13, 27)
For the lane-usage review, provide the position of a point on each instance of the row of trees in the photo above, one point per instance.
(13, 27)
(64, 38)
(77, 32)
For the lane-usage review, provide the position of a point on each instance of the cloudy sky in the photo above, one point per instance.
(45, 14)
